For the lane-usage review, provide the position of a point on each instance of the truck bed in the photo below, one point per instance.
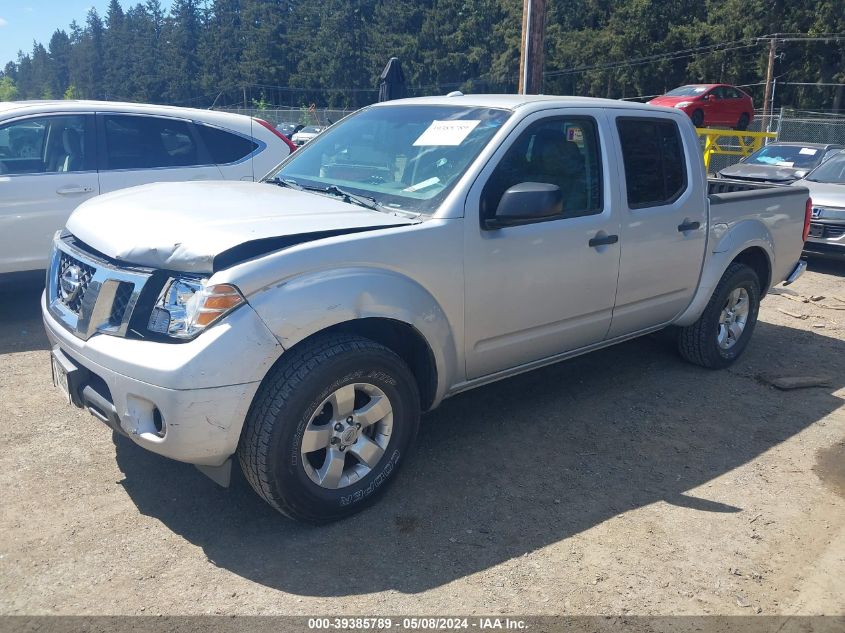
(780, 208)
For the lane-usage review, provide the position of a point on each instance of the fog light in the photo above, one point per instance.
(158, 422)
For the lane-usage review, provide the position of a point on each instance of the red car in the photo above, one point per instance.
(711, 104)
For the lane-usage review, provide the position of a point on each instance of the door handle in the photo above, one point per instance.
(65, 191)
(603, 241)
(688, 226)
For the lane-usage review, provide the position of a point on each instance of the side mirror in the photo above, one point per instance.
(705, 98)
(526, 202)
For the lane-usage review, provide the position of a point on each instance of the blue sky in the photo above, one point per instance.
(22, 21)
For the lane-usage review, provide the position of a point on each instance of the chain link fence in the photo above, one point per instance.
(303, 116)
(811, 127)
(791, 125)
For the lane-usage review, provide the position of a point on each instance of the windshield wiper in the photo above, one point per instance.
(346, 196)
(285, 183)
(367, 202)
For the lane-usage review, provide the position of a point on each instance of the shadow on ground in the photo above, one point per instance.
(827, 266)
(21, 328)
(512, 467)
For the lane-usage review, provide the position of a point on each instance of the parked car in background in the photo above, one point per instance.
(711, 105)
(56, 154)
(416, 249)
(307, 133)
(827, 190)
(780, 163)
(289, 128)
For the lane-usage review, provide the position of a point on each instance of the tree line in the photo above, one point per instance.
(330, 53)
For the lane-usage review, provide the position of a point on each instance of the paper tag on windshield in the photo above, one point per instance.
(808, 151)
(446, 133)
(422, 185)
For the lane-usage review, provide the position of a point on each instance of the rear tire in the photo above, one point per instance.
(724, 329)
(698, 118)
(319, 394)
(742, 124)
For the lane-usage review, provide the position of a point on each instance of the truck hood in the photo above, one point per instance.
(772, 173)
(203, 227)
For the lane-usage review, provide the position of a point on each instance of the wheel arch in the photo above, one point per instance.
(399, 337)
(381, 305)
(757, 259)
(756, 255)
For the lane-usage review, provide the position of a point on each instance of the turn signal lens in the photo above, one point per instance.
(213, 302)
(219, 298)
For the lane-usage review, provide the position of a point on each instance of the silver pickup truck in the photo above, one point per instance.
(414, 250)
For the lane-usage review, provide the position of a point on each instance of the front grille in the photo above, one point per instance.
(89, 294)
(76, 276)
(121, 301)
(826, 231)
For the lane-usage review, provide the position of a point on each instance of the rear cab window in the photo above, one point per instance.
(654, 160)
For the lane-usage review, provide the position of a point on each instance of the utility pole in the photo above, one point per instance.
(769, 73)
(532, 47)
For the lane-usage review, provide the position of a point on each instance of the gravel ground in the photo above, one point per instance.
(622, 482)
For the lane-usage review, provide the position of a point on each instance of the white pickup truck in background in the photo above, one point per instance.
(416, 249)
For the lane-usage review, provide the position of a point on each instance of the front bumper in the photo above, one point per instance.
(184, 401)
(826, 240)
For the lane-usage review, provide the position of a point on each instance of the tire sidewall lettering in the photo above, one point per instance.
(385, 473)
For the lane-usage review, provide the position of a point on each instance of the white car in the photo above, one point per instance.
(56, 154)
(306, 134)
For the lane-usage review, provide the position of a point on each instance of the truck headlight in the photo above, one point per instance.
(187, 306)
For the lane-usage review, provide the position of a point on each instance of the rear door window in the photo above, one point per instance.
(655, 163)
(144, 142)
(225, 147)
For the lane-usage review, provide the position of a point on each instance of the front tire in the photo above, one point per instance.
(724, 329)
(329, 427)
(698, 118)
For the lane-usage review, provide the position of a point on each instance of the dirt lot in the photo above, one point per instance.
(623, 482)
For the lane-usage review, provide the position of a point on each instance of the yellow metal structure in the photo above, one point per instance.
(731, 142)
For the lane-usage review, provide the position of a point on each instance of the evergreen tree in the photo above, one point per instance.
(298, 52)
(59, 51)
(116, 53)
(181, 63)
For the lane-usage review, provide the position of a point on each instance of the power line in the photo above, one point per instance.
(669, 56)
(803, 37)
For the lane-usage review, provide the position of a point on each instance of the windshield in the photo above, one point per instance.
(405, 157)
(832, 171)
(786, 156)
(687, 91)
